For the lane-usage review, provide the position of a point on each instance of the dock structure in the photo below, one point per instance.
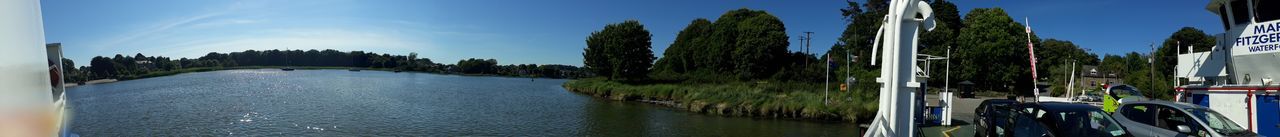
(1236, 76)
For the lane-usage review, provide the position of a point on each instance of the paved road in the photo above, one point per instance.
(961, 119)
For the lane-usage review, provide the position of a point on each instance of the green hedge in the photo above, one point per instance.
(759, 99)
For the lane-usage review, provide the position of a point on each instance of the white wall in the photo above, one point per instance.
(1232, 105)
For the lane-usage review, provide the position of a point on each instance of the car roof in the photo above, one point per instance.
(1063, 106)
(1178, 105)
(990, 101)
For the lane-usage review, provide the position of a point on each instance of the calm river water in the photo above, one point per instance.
(270, 102)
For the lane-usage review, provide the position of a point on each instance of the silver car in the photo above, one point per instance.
(1171, 119)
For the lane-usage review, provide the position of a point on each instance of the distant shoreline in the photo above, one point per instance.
(206, 69)
(91, 82)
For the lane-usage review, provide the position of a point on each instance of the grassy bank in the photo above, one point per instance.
(760, 99)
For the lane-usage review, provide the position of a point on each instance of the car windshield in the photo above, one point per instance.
(1090, 123)
(1217, 122)
(1124, 91)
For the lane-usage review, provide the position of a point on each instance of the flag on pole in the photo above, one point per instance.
(1032, 51)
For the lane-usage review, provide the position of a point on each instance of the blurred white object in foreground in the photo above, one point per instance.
(26, 104)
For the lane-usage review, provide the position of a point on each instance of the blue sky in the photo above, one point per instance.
(522, 32)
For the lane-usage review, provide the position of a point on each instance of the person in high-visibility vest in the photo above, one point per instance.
(1111, 100)
(1109, 104)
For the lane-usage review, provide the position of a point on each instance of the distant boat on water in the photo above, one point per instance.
(354, 69)
(286, 61)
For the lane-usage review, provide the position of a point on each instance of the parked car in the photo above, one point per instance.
(991, 112)
(1065, 120)
(1119, 94)
(1089, 97)
(1022, 124)
(1168, 119)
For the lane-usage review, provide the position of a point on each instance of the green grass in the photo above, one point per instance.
(786, 100)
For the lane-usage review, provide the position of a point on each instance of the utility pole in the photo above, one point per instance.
(808, 38)
(804, 38)
(1152, 61)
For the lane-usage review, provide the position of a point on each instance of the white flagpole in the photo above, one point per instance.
(826, 88)
(1032, 54)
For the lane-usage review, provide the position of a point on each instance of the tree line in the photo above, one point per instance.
(128, 67)
(742, 44)
(988, 48)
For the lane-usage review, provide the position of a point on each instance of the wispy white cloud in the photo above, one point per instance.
(263, 26)
(340, 39)
(240, 26)
(226, 22)
(152, 30)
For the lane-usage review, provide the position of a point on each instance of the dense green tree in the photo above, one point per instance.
(683, 55)
(620, 50)
(1112, 65)
(859, 33)
(1166, 56)
(478, 66)
(1056, 57)
(991, 51)
(102, 67)
(761, 41)
(943, 36)
(743, 44)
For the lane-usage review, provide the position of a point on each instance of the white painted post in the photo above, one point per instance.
(947, 94)
(897, 72)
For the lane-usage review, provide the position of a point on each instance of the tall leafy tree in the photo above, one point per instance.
(1166, 56)
(1056, 57)
(683, 54)
(860, 30)
(742, 43)
(992, 51)
(762, 39)
(943, 36)
(620, 50)
(102, 67)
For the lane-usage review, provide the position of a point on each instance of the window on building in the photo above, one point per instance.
(1240, 11)
(1266, 14)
